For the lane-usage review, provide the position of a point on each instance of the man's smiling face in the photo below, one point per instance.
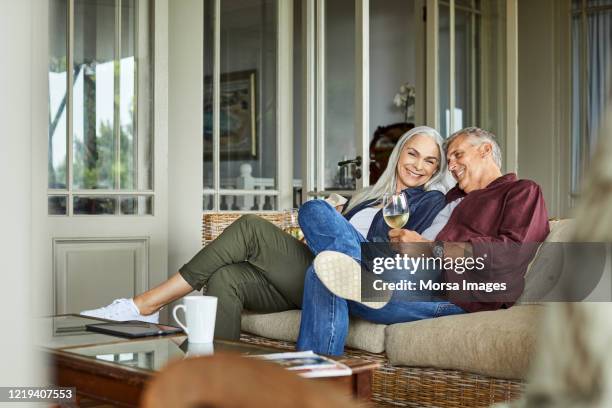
(468, 163)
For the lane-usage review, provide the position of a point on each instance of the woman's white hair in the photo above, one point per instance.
(388, 181)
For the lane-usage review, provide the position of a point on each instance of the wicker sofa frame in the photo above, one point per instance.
(394, 385)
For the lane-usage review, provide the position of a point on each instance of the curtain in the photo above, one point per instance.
(598, 43)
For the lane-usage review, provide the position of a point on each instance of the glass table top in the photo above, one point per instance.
(68, 334)
(68, 330)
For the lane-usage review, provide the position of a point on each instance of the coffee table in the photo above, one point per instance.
(115, 370)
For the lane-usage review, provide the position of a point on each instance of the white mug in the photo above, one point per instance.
(199, 349)
(200, 315)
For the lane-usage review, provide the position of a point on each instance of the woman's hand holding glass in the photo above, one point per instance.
(395, 210)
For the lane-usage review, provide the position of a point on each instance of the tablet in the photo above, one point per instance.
(133, 329)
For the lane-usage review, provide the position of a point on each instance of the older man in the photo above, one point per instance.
(485, 209)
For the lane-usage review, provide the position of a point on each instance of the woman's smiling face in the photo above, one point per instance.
(418, 162)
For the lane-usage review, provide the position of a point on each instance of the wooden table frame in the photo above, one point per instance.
(123, 386)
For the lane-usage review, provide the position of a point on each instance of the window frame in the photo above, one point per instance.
(70, 193)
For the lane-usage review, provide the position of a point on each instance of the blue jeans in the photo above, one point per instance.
(325, 316)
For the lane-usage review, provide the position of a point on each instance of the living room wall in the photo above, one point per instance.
(17, 21)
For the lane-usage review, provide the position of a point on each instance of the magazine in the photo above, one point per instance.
(307, 364)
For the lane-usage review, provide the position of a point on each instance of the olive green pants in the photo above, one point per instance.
(252, 265)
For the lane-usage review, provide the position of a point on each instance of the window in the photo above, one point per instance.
(100, 135)
(240, 135)
(591, 55)
(472, 69)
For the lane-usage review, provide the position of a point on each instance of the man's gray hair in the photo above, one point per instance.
(479, 136)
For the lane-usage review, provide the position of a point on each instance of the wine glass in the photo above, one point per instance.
(290, 224)
(395, 210)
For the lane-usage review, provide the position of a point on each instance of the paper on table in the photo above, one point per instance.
(308, 364)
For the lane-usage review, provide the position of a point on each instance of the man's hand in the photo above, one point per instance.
(403, 235)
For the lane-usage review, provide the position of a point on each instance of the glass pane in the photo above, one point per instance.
(593, 4)
(94, 205)
(393, 77)
(298, 196)
(248, 203)
(467, 72)
(465, 3)
(94, 90)
(57, 94)
(339, 92)
(298, 98)
(577, 94)
(140, 205)
(248, 91)
(493, 69)
(127, 72)
(208, 202)
(393, 62)
(135, 153)
(209, 45)
(443, 70)
(57, 205)
(107, 152)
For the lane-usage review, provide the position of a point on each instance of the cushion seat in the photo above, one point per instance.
(495, 343)
(286, 326)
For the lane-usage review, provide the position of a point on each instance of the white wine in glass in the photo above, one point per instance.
(290, 224)
(395, 210)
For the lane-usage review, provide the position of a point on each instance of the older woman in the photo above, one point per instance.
(254, 265)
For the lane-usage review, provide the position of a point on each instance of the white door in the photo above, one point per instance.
(100, 201)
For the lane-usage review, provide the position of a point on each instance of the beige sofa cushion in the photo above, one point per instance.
(547, 265)
(286, 326)
(561, 230)
(496, 343)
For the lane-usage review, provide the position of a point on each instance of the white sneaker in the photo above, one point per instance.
(121, 310)
(341, 274)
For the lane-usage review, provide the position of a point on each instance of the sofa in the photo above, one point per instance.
(470, 360)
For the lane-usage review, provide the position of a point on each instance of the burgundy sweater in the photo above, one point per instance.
(496, 220)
